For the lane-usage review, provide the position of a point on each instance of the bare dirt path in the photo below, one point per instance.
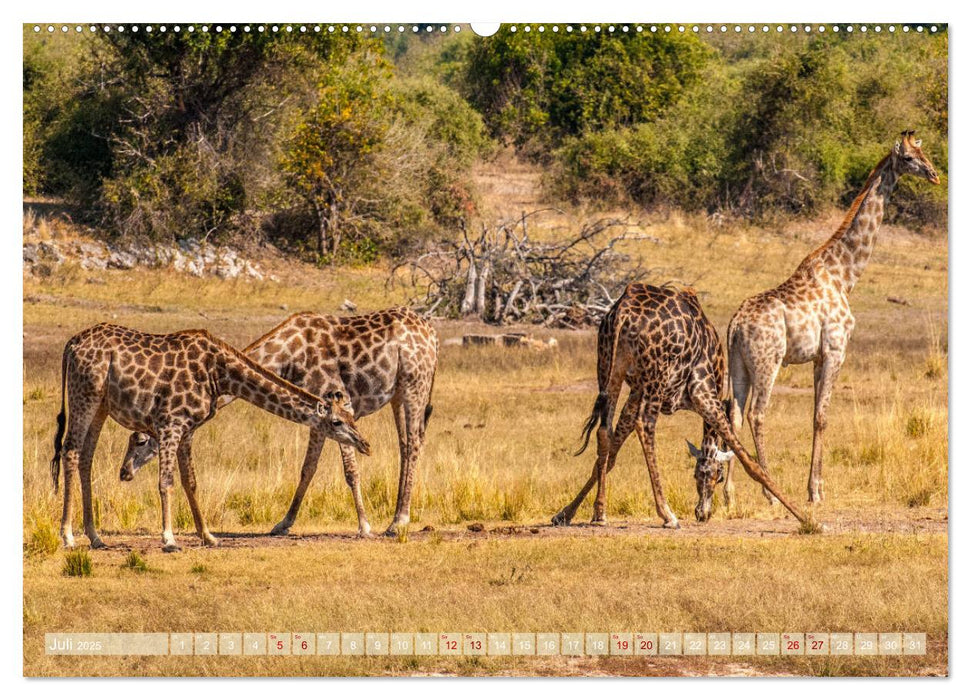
(918, 521)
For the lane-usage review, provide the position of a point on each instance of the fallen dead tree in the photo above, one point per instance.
(504, 276)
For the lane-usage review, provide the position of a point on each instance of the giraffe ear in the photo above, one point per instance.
(692, 450)
(723, 456)
(896, 148)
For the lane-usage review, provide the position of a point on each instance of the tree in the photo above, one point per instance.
(553, 85)
(333, 150)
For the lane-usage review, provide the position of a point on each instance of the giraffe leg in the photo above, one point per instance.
(740, 392)
(167, 458)
(86, 458)
(353, 479)
(408, 418)
(608, 445)
(188, 476)
(623, 429)
(81, 415)
(310, 461)
(761, 394)
(825, 372)
(645, 428)
(70, 473)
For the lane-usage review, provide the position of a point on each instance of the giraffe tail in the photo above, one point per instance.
(597, 416)
(61, 421)
(428, 405)
(734, 363)
(607, 337)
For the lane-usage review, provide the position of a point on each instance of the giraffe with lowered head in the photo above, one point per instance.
(807, 318)
(659, 342)
(167, 386)
(375, 359)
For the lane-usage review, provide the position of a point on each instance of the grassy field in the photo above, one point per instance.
(499, 451)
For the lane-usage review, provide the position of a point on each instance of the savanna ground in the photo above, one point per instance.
(499, 453)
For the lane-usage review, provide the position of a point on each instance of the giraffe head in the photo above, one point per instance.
(333, 414)
(142, 449)
(335, 418)
(909, 159)
(709, 471)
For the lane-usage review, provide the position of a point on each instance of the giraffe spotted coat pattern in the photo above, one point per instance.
(375, 359)
(807, 318)
(659, 342)
(166, 386)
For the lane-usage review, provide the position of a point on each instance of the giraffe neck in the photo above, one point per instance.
(242, 378)
(848, 251)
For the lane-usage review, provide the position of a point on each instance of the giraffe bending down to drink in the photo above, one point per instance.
(807, 318)
(658, 341)
(167, 386)
(379, 358)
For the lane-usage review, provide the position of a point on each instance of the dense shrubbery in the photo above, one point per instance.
(344, 146)
(535, 89)
(783, 132)
(312, 140)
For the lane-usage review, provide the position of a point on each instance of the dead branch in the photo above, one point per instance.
(503, 276)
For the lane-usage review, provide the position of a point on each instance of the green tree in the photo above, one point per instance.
(333, 151)
(548, 86)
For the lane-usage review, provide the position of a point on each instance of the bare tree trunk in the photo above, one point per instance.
(509, 301)
(468, 301)
(480, 292)
(321, 228)
(334, 226)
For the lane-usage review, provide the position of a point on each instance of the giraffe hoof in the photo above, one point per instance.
(599, 522)
(394, 530)
(97, 543)
(672, 525)
(171, 547)
(560, 520)
(280, 529)
(211, 541)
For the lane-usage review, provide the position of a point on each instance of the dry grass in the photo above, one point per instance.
(506, 423)
(499, 450)
(630, 583)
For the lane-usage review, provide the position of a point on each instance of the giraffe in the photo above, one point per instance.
(384, 357)
(807, 318)
(167, 386)
(659, 341)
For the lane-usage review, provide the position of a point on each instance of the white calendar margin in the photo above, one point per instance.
(11, 644)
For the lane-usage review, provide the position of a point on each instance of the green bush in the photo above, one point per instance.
(348, 148)
(785, 132)
(540, 88)
(77, 563)
(374, 157)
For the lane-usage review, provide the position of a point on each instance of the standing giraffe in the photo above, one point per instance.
(659, 341)
(379, 358)
(167, 386)
(807, 318)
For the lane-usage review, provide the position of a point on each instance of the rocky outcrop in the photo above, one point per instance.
(191, 256)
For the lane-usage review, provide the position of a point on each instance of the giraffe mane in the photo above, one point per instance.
(273, 331)
(854, 207)
(262, 371)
